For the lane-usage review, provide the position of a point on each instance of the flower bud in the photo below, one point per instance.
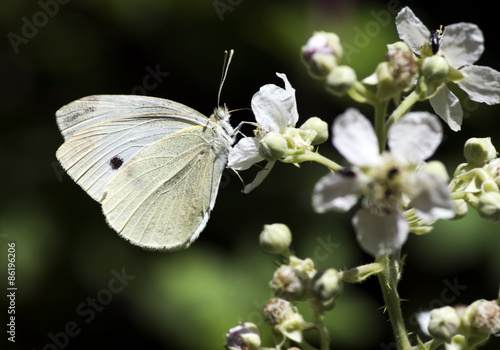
(288, 283)
(444, 323)
(479, 151)
(435, 69)
(340, 80)
(277, 310)
(437, 168)
(483, 316)
(489, 206)
(276, 239)
(273, 146)
(461, 208)
(326, 284)
(243, 337)
(319, 126)
(322, 52)
(403, 65)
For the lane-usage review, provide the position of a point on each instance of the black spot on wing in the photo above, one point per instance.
(116, 163)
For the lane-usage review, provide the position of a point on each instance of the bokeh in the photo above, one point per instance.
(80, 286)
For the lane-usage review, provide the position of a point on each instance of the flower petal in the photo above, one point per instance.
(244, 154)
(336, 192)
(355, 139)
(462, 44)
(294, 118)
(259, 178)
(482, 84)
(415, 137)
(447, 106)
(411, 30)
(432, 200)
(380, 235)
(274, 107)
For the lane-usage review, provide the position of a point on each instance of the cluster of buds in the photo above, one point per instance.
(322, 54)
(274, 145)
(293, 281)
(477, 181)
(297, 279)
(465, 327)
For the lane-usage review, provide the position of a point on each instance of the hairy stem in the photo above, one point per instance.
(388, 282)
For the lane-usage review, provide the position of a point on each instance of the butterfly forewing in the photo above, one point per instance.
(91, 110)
(167, 189)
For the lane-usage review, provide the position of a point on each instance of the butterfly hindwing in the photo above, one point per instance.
(94, 154)
(167, 189)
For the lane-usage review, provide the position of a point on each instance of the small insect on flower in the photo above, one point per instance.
(435, 41)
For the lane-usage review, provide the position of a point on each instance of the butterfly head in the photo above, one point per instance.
(221, 113)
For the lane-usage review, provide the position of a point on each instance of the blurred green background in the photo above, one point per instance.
(66, 254)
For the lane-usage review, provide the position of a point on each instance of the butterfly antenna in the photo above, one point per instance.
(227, 60)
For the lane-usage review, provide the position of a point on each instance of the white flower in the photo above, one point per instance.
(461, 45)
(388, 181)
(275, 109)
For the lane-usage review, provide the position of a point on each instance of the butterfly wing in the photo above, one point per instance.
(91, 110)
(104, 132)
(163, 196)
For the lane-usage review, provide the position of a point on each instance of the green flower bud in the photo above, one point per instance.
(321, 53)
(435, 69)
(461, 208)
(319, 126)
(273, 146)
(276, 239)
(444, 323)
(489, 206)
(340, 80)
(479, 151)
(437, 168)
(243, 336)
(326, 284)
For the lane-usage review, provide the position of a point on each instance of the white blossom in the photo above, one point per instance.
(461, 44)
(388, 182)
(275, 109)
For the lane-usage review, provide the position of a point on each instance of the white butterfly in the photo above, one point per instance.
(154, 164)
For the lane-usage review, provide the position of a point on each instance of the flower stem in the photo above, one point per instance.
(360, 273)
(388, 282)
(403, 108)
(324, 337)
(380, 112)
(310, 156)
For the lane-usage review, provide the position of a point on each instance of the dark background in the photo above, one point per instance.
(189, 299)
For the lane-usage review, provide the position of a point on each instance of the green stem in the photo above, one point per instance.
(380, 112)
(430, 345)
(324, 337)
(403, 107)
(310, 156)
(388, 282)
(360, 273)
